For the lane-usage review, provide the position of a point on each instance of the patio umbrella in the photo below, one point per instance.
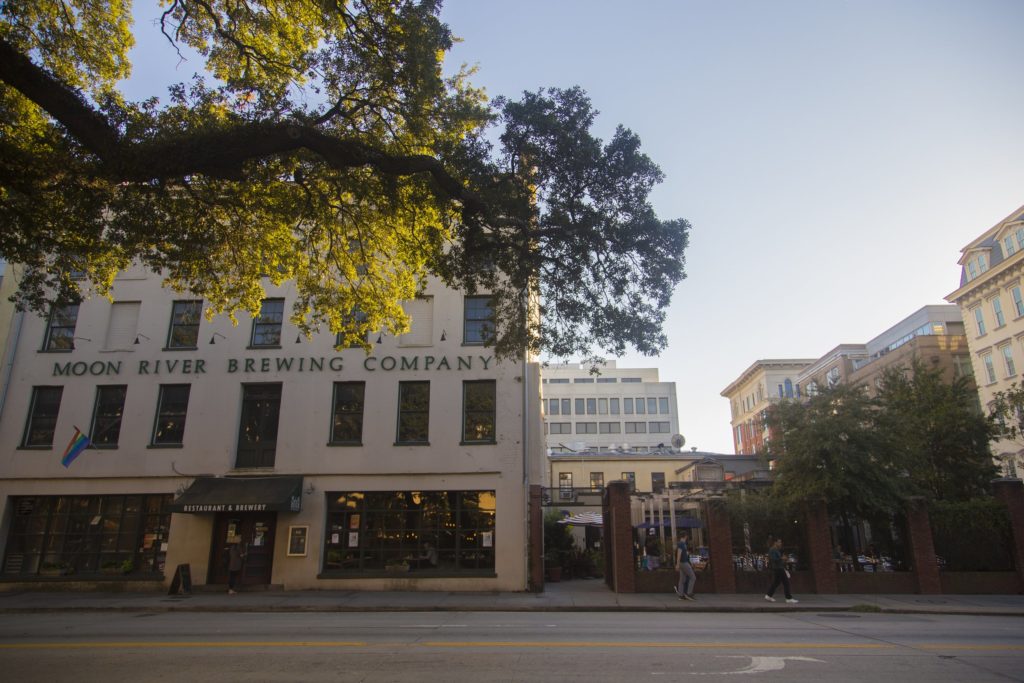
(584, 519)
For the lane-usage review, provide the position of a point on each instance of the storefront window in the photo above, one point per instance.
(87, 535)
(428, 532)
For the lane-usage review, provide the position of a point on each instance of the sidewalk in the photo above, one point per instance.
(568, 596)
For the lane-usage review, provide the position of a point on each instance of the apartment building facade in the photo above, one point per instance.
(991, 302)
(749, 396)
(336, 469)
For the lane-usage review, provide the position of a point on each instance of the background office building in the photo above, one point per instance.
(615, 409)
(336, 469)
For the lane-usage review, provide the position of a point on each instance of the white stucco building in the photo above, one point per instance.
(615, 409)
(405, 469)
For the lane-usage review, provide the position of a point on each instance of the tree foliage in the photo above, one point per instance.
(322, 143)
(937, 432)
(1006, 415)
(829, 448)
(919, 436)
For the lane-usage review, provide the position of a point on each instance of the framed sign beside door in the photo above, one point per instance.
(297, 536)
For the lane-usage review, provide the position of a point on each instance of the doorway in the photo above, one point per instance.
(253, 529)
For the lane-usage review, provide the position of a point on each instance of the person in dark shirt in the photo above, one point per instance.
(687, 578)
(779, 573)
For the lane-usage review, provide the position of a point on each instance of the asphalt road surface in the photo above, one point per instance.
(436, 647)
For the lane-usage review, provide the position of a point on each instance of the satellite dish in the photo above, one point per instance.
(678, 441)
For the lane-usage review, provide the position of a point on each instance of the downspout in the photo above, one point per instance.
(526, 473)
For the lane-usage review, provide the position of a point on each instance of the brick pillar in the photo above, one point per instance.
(720, 545)
(618, 537)
(535, 515)
(1011, 493)
(819, 548)
(922, 547)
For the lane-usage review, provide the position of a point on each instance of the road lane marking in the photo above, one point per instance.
(508, 644)
(640, 644)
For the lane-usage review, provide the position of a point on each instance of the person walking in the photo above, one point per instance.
(236, 560)
(779, 573)
(687, 579)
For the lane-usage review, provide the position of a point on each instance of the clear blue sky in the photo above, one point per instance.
(833, 157)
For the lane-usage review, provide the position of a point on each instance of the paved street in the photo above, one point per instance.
(527, 646)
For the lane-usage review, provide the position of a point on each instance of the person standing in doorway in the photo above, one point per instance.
(687, 579)
(236, 560)
(779, 573)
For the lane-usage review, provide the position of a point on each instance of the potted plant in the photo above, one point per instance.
(53, 569)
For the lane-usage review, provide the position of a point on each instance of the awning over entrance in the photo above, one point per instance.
(241, 494)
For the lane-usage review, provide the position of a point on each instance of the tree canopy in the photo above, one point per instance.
(323, 143)
(919, 436)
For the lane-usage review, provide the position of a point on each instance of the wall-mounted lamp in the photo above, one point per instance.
(380, 338)
(309, 489)
(213, 339)
(141, 335)
(444, 336)
(298, 339)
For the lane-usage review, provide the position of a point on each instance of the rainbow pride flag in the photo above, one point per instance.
(79, 442)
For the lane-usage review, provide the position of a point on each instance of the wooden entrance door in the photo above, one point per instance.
(256, 531)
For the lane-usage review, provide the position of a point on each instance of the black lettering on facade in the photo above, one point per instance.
(250, 365)
(410, 363)
(284, 364)
(388, 363)
(316, 364)
(368, 361)
(232, 365)
(335, 364)
(485, 360)
(465, 362)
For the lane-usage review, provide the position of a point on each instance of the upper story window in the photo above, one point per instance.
(106, 417)
(184, 330)
(990, 370)
(583, 380)
(122, 326)
(1020, 237)
(257, 429)
(1018, 302)
(979, 318)
(997, 310)
(478, 320)
(266, 327)
(633, 380)
(172, 408)
(663, 406)
(607, 380)
(613, 406)
(479, 411)
(982, 262)
(347, 425)
(972, 270)
(413, 412)
(60, 330)
(627, 406)
(421, 322)
(833, 377)
(1008, 243)
(42, 416)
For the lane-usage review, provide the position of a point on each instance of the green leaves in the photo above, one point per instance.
(323, 145)
(919, 436)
